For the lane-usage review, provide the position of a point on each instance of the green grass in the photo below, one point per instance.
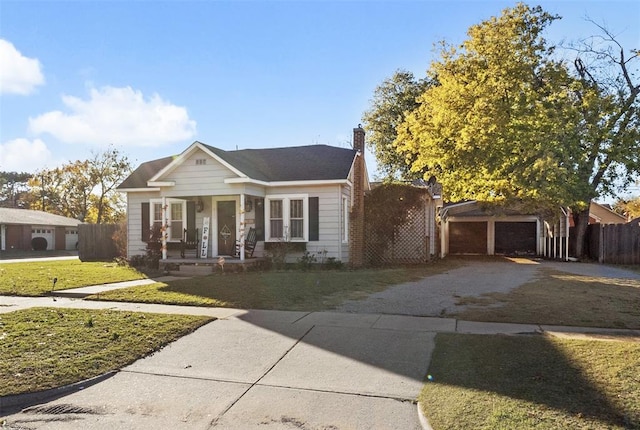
(43, 348)
(524, 382)
(292, 290)
(558, 298)
(36, 278)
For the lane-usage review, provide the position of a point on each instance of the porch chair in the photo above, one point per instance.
(249, 244)
(189, 243)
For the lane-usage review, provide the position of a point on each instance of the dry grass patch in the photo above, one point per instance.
(532, 382)
(288, 290)
(558, 298)
(44, 348)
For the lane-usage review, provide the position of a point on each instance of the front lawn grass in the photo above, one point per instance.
(558, 298)
(36, 278)
(44, 348)
(532, 382)
(288, 290)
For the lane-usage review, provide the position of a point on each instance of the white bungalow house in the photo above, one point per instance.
(301, 195)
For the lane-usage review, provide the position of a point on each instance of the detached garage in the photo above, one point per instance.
(24, 229)
(467, 228)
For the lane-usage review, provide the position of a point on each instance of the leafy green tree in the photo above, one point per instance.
(392, 101)
(508, 121)
(628, 207)
(14, 189)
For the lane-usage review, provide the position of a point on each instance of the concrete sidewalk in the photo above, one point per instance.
(268, 369)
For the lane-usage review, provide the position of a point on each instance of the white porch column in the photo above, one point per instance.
(3, 235)
(164, 228)
(242, 226)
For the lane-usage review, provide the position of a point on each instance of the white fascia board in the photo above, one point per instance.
(137, 190)
(161, 183)
(246, 180)
(284, 183)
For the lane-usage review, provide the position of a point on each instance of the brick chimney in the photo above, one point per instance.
(356, 228)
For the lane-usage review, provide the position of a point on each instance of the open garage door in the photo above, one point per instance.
(468, 237)
(515, 238)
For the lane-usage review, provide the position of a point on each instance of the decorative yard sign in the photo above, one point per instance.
(205, 238)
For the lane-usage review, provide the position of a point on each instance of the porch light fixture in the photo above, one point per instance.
(248, 204)
(199, 205)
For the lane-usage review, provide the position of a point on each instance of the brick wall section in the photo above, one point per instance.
(356, 229)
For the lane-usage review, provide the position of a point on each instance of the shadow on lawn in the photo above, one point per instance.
(530, 368)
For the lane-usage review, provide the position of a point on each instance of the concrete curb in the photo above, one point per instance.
(20, 401)
(423, 420)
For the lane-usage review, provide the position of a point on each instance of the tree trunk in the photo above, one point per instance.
(581, 222)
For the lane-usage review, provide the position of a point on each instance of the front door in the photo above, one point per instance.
(227, 228)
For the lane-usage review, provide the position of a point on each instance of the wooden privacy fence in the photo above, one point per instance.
(614, 243)
(95, 242)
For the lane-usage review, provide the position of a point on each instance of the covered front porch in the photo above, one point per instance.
(209, 230)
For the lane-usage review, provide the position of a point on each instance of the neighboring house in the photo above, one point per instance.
(602, 214)
(301, 195)
(18, 228)
(470, 228)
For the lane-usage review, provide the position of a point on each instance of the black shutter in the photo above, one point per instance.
(259, 208)
(146, 227)
(314, 218)
(191, 215)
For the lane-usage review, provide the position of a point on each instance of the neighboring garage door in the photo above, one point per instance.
(468, 237)
(44, 232)
(71, 239)
(515, 238)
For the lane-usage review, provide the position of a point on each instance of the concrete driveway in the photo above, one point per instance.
(437, 295)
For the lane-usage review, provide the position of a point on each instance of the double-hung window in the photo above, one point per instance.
(287, 218)
(176, 216)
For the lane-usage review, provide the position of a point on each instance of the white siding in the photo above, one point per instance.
(135, 245)
(329, 220)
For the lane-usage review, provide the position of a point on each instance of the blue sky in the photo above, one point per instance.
(151, 77)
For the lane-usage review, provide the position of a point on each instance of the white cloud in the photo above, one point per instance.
(24, 155)
(18, 74)
(120, 116)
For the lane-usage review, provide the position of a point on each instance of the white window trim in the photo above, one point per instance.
(168, 202)
(286, 214)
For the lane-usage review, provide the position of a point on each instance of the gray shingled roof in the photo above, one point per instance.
(300, 163)
(144, 172)
(31, 217)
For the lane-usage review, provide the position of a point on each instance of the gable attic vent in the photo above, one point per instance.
(201, 161)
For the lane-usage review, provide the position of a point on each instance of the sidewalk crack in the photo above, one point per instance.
(215, 421)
